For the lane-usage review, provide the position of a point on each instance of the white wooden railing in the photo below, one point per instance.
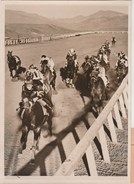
(118, 101)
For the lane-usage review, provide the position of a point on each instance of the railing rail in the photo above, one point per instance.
(84, 146)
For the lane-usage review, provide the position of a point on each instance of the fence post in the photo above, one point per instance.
(91, 161)
(125, 98)
(112, 128)
(104, 145)
(117, 115)
(122, 107)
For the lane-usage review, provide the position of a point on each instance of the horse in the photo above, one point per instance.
(34, 116)
(68, 72)
(63, 73)
(82, 80)
(121, 70)
(46, 86)
(90, 84)
(98, 91)
(113, 41)
(48, 75)
(104, 61)
(14, 63)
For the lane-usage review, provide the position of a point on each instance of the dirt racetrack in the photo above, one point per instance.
(53, 150)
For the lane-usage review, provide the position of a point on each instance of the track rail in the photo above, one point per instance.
(118, 102)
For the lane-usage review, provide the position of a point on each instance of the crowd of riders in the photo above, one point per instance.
(34, 88)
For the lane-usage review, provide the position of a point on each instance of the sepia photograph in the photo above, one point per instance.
(67, 90)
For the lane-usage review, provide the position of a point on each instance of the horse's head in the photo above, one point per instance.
(94, 75)
(30, 116)
(27, 104)
(9, 55)
(121, 63)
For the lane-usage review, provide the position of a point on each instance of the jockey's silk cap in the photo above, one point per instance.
(43, 56)
(87, 57)
(31, 66)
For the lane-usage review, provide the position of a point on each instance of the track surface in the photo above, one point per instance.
(55, 149)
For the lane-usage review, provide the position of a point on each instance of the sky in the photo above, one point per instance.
(67, 10)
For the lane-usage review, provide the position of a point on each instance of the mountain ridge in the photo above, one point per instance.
(23, 23)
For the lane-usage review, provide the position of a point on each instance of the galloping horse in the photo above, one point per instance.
(98, 91)
(33, 118)
(48, 76)
(14, 63)
(82, 80)
(113, 41)
(63, 73)
(68, 73)
(121, 70)
(104, 61)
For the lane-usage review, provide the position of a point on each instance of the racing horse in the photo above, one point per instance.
(33, 118)
(48, 75)
(68, 72)
(113, 41)
(14, 63)
(98, 91)
(46, 85)
(121, 70)
(89, 84)
(63, 73)
(104, 60)
(82, 80)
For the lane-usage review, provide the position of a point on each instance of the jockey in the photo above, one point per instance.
(101, 50)
(71, 56)
(97, 65)
(40, 97)
(106, 43)
(48, 61)
(94, 60)
(113, 38)
(31, 94)
(122, 59)
(35, 73)
(87, 59)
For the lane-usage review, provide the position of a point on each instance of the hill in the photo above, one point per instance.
(100, 21)
(24, 24)
(20, 23)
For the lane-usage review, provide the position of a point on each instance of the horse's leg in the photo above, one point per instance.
(53, 84)
(82, 98)
(23, 139)
(37, 133)
(50, 124)
(35, 146)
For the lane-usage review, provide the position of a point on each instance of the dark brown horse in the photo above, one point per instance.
(89, 84)
(13, 63)
(68, 72)
(82, 80)
(121, 70)
(98, 91)
(33, 118)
